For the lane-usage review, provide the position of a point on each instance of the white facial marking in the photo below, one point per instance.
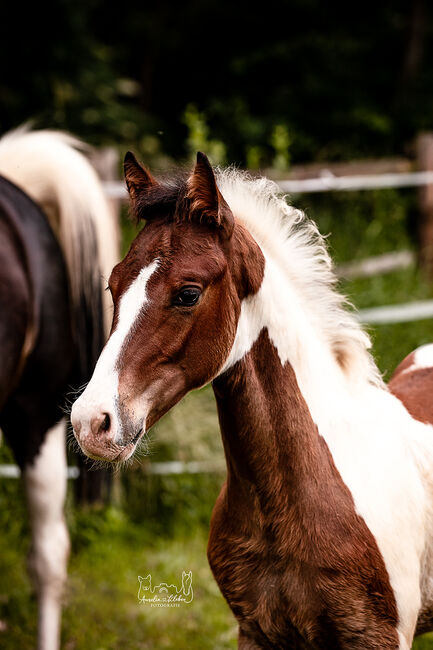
(102, 390)
(131, 304)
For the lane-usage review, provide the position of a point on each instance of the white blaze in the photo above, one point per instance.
(102, 390)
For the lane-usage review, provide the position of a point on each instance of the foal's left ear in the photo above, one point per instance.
(138, 179)
(207, 202)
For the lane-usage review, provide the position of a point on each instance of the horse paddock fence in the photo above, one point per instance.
(327, 178)
(151, 469)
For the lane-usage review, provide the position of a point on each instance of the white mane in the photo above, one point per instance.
(294, 242)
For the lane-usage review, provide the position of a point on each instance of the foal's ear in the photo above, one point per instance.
(207, 202)
(138, 179)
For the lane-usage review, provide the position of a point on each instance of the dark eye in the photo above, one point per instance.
(187, 297)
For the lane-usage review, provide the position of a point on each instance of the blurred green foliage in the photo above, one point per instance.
(281, 141)
(198, 136)
(342, 81)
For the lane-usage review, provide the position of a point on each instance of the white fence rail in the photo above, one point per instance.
(325, 182)
(385, 263)
(13, 471)
(411, 311)
(153, 469)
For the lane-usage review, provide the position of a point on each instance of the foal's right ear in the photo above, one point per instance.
(206, 200)
(138, 179)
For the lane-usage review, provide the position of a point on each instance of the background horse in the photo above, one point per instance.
(322, 536)
(58, 241)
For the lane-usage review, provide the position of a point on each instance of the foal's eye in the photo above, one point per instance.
(187, 297)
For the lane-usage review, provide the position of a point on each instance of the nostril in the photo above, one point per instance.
(100, 424)
(105, 425)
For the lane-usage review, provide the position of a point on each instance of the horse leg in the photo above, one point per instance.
(45, 484)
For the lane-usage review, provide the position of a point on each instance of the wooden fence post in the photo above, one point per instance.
(424, 148)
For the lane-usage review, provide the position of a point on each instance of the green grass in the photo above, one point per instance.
(159, 525)
(101, 608)
(103, 582)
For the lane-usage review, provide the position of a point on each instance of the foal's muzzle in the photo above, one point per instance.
(100, 433)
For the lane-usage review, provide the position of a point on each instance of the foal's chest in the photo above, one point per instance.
(299, 591)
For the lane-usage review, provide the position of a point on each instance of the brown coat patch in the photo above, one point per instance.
(295, 562)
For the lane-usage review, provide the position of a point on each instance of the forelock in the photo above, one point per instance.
(162, 199)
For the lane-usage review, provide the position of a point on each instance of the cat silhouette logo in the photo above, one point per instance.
(165, 595)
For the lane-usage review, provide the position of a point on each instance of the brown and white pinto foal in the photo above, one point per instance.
(322, 536)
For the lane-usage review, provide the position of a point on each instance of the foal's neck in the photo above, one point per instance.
(271, 443)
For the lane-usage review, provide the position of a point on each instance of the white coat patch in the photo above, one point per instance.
(423, 357)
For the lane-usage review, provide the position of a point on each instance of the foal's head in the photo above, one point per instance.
(177, 298)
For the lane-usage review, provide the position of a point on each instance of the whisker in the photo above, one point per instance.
(71, 396)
